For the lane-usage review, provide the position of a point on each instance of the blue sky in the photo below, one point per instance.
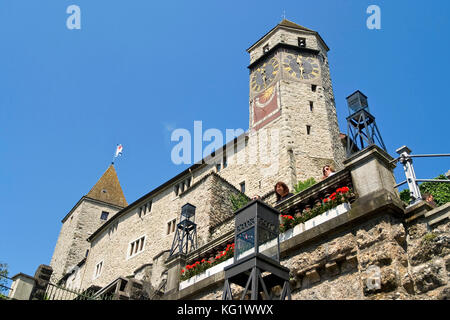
(138, 69)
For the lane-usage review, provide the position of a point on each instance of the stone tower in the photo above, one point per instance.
(291, 92)
(103, 201)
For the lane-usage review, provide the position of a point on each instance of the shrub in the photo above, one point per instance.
(238, 201)
(303, 185)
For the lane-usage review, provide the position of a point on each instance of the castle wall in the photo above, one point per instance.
(71, 246)
(210, 195)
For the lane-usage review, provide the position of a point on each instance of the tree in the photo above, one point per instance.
(3, 280)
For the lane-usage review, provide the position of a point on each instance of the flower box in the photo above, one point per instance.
(311, 223)
(207, 273)
(330, 214)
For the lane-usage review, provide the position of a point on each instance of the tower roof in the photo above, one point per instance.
(288, 24)
(108, 189)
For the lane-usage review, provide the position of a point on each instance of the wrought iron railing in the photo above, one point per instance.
(57, 292)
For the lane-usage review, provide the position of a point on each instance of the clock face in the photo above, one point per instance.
(264, 75)
(300, 67)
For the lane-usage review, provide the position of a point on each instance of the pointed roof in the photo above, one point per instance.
(108, 189)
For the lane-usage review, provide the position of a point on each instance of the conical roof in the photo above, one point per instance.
(108, 189)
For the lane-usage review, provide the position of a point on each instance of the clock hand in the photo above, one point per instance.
(264, 77)
(300, 65)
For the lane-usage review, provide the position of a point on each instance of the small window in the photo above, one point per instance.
(171, 226)
(98, 270)
(104, 215)
(266, 48)
(136, 247)
(149, 206)
(182, 187)
(242, 186)
(87, 253)
(225, 162)
(311, 106)
(218, 167)
(313, 88)
(308, 129)
(188, 182)
(302, 42)
(176, 189)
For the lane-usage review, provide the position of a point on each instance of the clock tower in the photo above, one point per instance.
(291, 91)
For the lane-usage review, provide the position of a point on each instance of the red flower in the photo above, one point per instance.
(182, 270)
(203, 260)
(343, 190)
(325, 200)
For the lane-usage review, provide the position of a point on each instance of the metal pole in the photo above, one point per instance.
(406, 161)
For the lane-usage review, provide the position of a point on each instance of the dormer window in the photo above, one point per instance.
(302, 42)
(266, 48)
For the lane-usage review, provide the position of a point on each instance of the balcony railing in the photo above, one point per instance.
(314, 195)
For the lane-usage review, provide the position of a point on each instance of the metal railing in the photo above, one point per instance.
(5, 287)
(55, 292)
(405, 159)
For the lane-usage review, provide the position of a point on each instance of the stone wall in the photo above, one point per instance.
(284, 35)
(71, 245)
(375, 256)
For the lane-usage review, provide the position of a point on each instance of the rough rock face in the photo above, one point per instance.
(383, 258)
